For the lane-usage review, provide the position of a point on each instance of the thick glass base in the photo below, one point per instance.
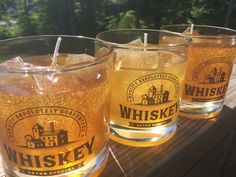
(142, 137)
(200, 110)
(91, 169)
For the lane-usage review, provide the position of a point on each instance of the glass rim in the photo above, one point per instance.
(204, 36)
(187, 40)
(99, 60)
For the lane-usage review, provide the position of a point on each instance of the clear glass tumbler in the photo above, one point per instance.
(146, 91)
(210, 62)
(54, 105)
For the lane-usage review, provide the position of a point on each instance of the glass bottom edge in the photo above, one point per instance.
(142, 142)
(206, 110)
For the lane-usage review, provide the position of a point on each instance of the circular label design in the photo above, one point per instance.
(213, 71)
(152, 100)
(45, 127)
(209, 80)
(153, 89)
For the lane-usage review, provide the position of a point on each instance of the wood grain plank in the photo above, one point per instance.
(220, 162)
(230, 98)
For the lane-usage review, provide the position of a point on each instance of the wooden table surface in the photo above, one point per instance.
(189, 153)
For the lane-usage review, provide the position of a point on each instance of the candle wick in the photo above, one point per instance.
(191, 29)
(55, 54)
(21, 61)
(145, 38)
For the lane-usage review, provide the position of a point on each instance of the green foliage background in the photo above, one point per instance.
(89, 17)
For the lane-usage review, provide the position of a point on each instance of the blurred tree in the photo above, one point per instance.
(66, 15)
(127, 19)
(35, 17)
(88, 17)
(8, 22)
(210, 12)
(92, 16)
(231, 8)
(123, 20)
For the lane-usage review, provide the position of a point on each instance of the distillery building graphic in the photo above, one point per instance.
(44, 139)
(215, 76)
(155, 96)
